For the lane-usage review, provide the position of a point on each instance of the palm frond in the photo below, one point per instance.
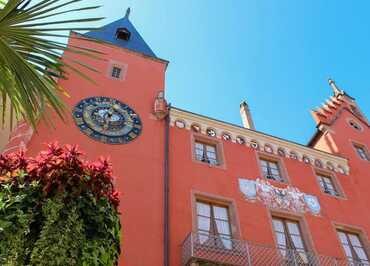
(30, 60)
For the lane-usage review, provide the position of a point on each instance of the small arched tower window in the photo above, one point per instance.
(123, 34)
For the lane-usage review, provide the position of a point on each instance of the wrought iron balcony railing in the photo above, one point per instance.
(200, 249)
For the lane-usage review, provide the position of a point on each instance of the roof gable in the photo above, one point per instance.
(108, 34)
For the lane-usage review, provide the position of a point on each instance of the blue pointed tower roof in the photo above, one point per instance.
(108, 34)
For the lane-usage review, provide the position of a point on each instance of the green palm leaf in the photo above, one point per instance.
(30, 61)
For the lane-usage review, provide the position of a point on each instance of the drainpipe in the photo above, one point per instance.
(166, 233)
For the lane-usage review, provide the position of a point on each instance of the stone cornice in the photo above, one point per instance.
(258, 140)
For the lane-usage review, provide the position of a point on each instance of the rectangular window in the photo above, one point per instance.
(116, 72)
(327, 185)
(361, 151)
(206, 153)
(353, 248)
(289, 240)
(213, 225)
(271, 170)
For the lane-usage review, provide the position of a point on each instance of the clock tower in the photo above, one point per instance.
(117, 117)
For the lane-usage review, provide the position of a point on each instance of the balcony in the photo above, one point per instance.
(204, 250)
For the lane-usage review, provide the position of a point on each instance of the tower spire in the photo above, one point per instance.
(336, 90)
(128, 11)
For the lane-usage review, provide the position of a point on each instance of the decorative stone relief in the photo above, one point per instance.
(180, 124)
(240, 140)
(268, 148)
(330, 166)
(257, 141)
(195, 128)
(318, 163)
(226, 136)
(255, 145)
(293, 155)
(281, 152)
(306, 159)
(211, 132)
(289, 199)
(341, 169)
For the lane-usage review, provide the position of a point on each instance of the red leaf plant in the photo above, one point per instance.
(61, 169)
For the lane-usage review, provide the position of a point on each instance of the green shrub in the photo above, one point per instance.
(57, 209)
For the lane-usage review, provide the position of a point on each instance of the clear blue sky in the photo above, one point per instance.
(276, 54)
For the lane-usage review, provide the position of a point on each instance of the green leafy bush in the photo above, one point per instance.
(57, 209)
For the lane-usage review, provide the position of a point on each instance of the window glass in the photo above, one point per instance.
(342, 237)
(203, 209)
(220, 212)
(116, 72)
(206, 153)
(293, 228)
(204, 223)
(353, 248)
(354, 240)
(288, 236)
(271, 170)
(214, 225)
(281, 240)
(278, 225)
(327, 185)
(361, 152)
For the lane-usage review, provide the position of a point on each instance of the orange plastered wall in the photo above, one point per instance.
(188, 176)
(137, 165)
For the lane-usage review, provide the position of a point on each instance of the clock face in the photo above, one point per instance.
(107, 120)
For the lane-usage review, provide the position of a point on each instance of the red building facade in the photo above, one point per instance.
(199, 191)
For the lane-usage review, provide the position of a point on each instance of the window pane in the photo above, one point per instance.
(275, 172)
(199, 145)
(281, 240)
(330, 186)
(211, 149)
(360, 253)
(204, 223)
(223, 227)
(278, 225)
(361, 152)
(220, 212)
(355, 241)
(264, 170)
(203, 209)
(199, 152)
(297, 241)
(293, 228)
(211, 155)
(274, 165)
(342, 237)
(347, 250)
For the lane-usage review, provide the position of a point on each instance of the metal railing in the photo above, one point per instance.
(199, 247)
(214, 250)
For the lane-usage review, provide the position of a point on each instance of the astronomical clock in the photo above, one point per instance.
(107, 120)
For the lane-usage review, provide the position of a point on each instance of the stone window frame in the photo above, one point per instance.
(359, 231)
(277, 159)
(355, 145)
(334, 179)
(303, 226)
(124, 68)
(353, 121)
(198, 137)
(229, 203)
